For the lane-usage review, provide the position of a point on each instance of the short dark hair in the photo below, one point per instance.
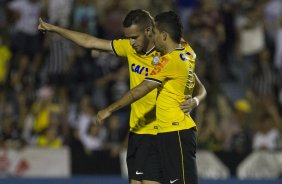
(170, 23)
(138, 17)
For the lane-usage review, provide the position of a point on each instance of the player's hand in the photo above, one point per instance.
(188, 105)
(43, 26)
(103, 114)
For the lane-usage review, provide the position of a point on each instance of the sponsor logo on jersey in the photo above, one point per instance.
(139, 69)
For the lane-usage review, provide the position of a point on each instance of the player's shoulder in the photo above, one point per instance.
(122, 46)
(187, 46)
(122, 41)
(188, 52)
(182, 54)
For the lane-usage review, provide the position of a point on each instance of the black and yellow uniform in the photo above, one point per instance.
(143, 126)
(176, 137)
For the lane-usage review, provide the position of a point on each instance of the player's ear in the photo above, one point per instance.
(149, 31)
(164, 35)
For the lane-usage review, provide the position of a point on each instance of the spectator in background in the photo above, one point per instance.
(185, 9)
(265, 80)
(265, 138)
(24, 35)
(227, 55)
(229, 124)
(108, 66)
(158, 6)
(81, 116)
(10, 132)
(278, 56)
(3, 16)
(59, 60)
(120, 84)
(113, 17)
(116, 133)
(94, 138)
(209, 135)
(241, 142)
(43, 108)
(278, 47)
(5, 56)
(21, 79)
(21, 105)
(49, 138)
(59, 12)
(84, 17)
(251, 40)
(206, 32)
(272, 12)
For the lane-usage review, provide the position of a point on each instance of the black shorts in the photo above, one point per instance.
(178, 156)
(142, 158)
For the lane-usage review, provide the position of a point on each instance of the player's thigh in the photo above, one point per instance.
(152, 169)
(150, 182)
(178, 157)
(188, 143)
(137, 154)
(135, 182)
(143, 182)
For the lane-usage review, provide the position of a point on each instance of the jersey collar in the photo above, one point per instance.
(179, 48)
(150, 51)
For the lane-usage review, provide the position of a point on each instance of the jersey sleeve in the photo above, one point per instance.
(161, 71)
(120, 47)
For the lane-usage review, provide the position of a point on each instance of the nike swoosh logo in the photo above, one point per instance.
(172, 181)
(138, 173)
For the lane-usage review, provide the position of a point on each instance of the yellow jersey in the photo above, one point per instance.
(43, 141)
(175, 73)
(143, 111)
(5, 56)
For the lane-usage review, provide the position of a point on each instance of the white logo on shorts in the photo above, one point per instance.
(138, 173)
(172, 181)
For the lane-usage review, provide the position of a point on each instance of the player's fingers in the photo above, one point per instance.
(187, 97)
(185, 109)
(185, 104)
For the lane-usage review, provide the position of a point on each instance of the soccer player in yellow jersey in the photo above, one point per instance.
(138, 48)
(174, 77)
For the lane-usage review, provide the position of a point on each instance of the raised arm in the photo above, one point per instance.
(199, 94)
(81, 39)
(131, 96)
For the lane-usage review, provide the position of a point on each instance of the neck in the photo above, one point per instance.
(150, 46)
(170, 46)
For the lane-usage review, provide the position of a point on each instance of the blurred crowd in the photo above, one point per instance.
(51, 89)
